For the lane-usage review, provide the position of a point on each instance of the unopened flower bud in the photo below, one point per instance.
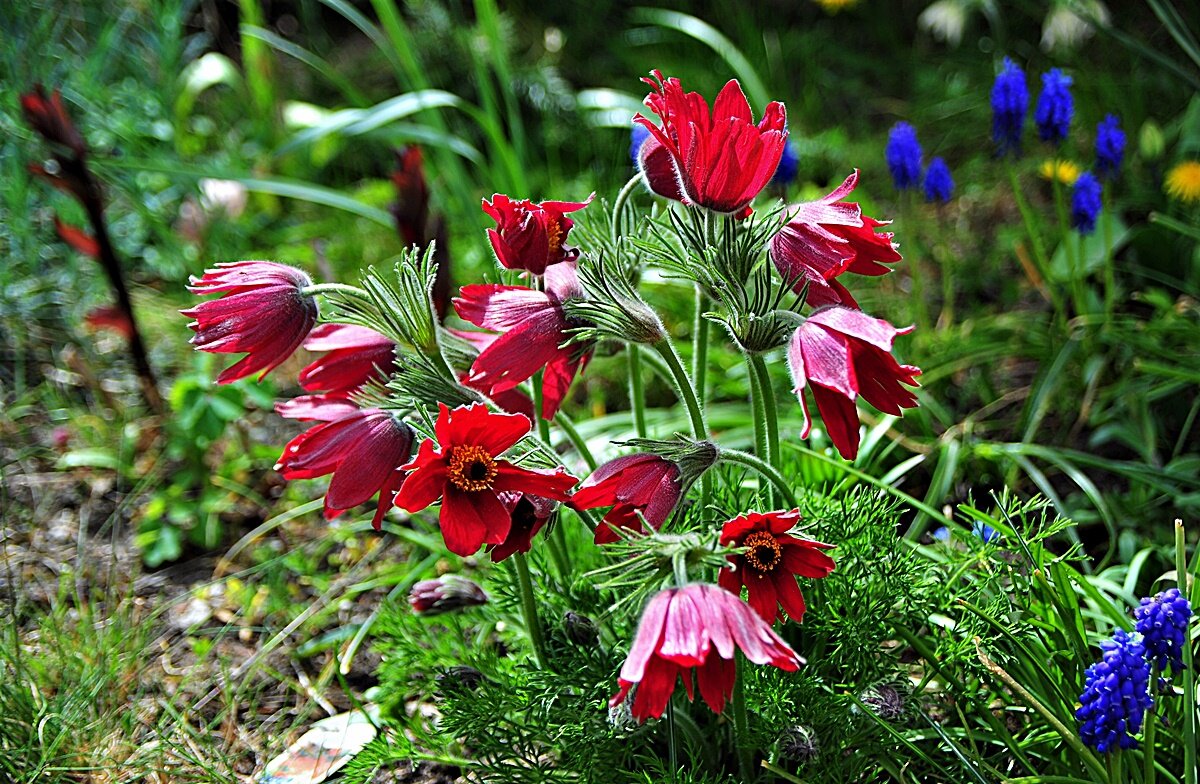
(445, 594)
(885, 700)
(611, 306)
(459, 677)
(799, 744)
(580, 629)
(1150, 141)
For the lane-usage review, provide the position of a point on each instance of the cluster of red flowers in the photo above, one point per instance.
(718, 160)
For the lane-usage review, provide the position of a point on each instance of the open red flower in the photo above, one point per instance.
(644, 483)
(364, 450)
(531, 236)
(356, 355)
(263, 312)
(722, 159)
(533, 326)
(845, 353)
(529, 513)
(463, 470)
(696, 627)
(772, 561)
(824, 238)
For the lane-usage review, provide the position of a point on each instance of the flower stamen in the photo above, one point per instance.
(471, 468)
(763, 552)
(554, 238)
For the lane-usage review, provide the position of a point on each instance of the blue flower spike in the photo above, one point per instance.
(1116, 694)
(1010, 101)
(1162, 621)
(903, 153)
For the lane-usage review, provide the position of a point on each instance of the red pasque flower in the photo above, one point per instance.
(722, 159)
(823, 239)
(263, 312)
(356, 355)
(533, 326)
(531, 236)
(845, 353)
(644, 483)
(364, 450)
(463, 470)
(529, 513)
(772, 561)
(695, 627)
(315, 408)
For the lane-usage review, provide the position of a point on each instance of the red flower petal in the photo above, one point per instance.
(470, 520)
(474, 425)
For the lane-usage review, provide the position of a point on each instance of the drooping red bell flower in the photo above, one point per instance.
(531, 236)
(722, 159)
(644, 483)
(824, 238)
(356, 355)
(364, 450)
(263, 312)
(844, 353)
(463, 470)
(772, 561)
(533, 326)
(696, 627)
(529, 513)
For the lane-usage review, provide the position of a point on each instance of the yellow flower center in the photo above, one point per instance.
(554, 238)
(763, 552)
(1183, 182)
(471, 468)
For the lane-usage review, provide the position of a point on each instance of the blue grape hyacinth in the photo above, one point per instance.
(903, 153)
(1085, 203)
(939, 185)
(1054, 107)
(637, 138)
(1116, 694)
(789, 165)
(1110, 146)
(1162, 622)
(1010, 100)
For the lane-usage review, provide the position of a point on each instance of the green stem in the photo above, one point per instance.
(687, 393)
(781, 773)
(760, 427)
(336, 288)
(577, 441)
(770, 409)
(914, 263)
(700, 344)
(539, 394)
(741, 728)
(619, 204)
(637, 391)
(1035, 237)
(1110, 275)
(764, 469)
(529, 610)
(1070, 737)
(1189, 671)
(1148, 771)
(763, 411)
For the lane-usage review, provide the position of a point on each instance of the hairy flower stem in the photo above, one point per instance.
(687, 394)
(637, 391)
(770, 410)
(700, 345)
(1035, 237)
(337, 288)
(577, 441)
(1071, 738)
(763, 412)
(529, 610)
(619, 204)
(741, 729)
(763, 468)
(1183, 582)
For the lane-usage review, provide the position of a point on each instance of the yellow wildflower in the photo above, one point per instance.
(1183, 182)
(1066, 172)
